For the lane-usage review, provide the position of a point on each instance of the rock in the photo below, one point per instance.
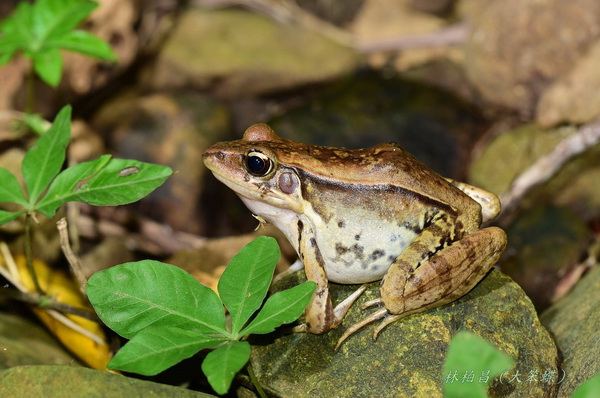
(24, 342)
(371, 108)
(573, 322)
(236, 52)
(574, 97)
(62, 381)
(407, 358)
(550, 241)
(518, 47)
(172, 129)
(574, 186)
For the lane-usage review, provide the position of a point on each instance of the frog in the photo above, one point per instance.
(356, 216)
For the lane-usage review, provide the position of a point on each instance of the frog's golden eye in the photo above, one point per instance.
(258, 164)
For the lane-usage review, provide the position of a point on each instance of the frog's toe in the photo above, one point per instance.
(299, 328)
(384, 323)
(359, 325)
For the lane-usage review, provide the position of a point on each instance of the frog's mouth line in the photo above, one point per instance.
(251, 191)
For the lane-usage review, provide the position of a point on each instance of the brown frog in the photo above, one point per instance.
(357, 216)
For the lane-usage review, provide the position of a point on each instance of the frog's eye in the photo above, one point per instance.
(258, 164)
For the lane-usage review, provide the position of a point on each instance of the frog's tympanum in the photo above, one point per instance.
(361, 215)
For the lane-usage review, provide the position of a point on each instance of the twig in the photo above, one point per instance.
(47, 302)
(71, 257)
(452, 35)
(547, 166)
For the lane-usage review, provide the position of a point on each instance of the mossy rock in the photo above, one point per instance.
(407, 358)
(66, 381)
(573, 322)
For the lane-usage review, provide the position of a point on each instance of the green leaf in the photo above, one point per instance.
(48, 63)
(469, 354)
(589, 389)
(65, 186)
(45, 158)
(122, 181)
(10, 190)
(133, 296)
(85, 43)
(281, 308)
(53, 18)
(154, 349)
(16, 28)
(221, 365)
(245, 282)
(6, 216)
(41, 29)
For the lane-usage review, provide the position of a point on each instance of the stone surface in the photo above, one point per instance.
(25, 342)
(173, 129)
(235, 52)
(573, 322)
(66, 381)
(550, 241)
(370, 108)
(407, 358)
(518, 47)
(574, 97)
(574, 185)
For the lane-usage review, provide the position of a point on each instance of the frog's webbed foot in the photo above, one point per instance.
(339, 312)
(375, 316)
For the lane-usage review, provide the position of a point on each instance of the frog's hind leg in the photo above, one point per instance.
(446, 276)
(415, 283)
(359, 325)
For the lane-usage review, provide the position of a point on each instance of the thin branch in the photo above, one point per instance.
(547, 166)
(47, 303)
(74, 262)
(450, 36)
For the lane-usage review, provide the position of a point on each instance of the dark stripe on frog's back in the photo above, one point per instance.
(323, 192)
(370, 166)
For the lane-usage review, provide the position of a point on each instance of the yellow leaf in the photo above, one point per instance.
(94, 351)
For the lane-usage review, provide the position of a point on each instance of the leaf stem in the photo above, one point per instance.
(29, 255)
(255, 382)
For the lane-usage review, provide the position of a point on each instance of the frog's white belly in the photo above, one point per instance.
(361, 252)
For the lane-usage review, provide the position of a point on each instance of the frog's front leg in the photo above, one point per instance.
(428, 275)
(320, 314)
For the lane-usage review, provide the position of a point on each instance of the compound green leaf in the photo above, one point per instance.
(121, 181)
(133, 296)
(44, 159)
(245, 282)
(281, 308)
(469, 354)
(65, 186)
(10, 190)
(6, 216)
(221, 365)
(155, 349)
(85, 43)
(47, 63)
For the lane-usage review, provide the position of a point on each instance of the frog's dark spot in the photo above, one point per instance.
(375, 268)
(377, 254)
(357, 237)
(355, 249)
(313, 242)
(340, 249)
(391, 259)
(411, 227)
(341, 224)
